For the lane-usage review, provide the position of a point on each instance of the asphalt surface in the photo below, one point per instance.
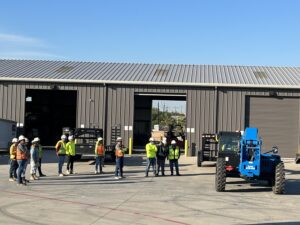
(86, 198)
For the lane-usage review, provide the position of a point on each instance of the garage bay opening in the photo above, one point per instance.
(159, 117)
(47, 112)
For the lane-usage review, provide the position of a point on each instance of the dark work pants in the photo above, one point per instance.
(70, 164)
(13, 168)
(161, 165)
(119, 166)
(174, 162)
(21, 167)
(40, 167)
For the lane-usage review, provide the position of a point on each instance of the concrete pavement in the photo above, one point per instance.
(86, 198)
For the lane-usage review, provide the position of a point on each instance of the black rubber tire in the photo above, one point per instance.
(199, 161)
(220, 180)
(279, 179)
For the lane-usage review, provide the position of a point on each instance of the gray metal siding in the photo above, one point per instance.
(278, 122)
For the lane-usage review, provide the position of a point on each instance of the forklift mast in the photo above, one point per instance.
(250, 153)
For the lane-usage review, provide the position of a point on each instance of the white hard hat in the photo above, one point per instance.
(26, 140)
(119, 139)
(36, 139)
(173, 142)
(70, 137)
(21, 137)
(164, 141)
(63, 137)
(100, 139)
(151, 139)
(14, 140)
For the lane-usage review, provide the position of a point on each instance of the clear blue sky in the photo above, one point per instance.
(235, 32)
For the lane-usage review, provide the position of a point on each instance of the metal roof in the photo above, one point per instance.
(152, 74)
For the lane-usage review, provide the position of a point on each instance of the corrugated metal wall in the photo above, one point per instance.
(90, 101)
(202, 109)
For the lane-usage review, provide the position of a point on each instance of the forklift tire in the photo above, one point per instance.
(199, 161)
(279, 180)
(220, 180)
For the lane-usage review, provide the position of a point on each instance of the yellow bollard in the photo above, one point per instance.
(186, 148)
(130, 146)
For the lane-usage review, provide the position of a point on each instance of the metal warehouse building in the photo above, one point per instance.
(46, 95)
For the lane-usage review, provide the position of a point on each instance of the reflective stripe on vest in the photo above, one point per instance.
(62, 149)
(173, 154)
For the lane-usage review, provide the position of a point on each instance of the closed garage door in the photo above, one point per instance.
(277, 120)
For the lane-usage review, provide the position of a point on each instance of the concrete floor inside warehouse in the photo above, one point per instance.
(86, 198)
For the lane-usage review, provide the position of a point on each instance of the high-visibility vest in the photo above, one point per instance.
(70, 148)
(173, 153)
(151, 150)
(13, 151)
(100, 150)
(120, 151)
(21, 155)
(62, 150)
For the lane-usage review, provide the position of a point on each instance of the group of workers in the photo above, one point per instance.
(157, 154)
(21, 152)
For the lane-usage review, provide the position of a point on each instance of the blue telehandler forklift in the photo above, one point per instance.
(240, 156)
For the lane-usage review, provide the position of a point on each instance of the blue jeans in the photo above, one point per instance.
(151, 161)
(98, 165)
(119, 166)
(61, 160)
(21, 164)
(174, 162)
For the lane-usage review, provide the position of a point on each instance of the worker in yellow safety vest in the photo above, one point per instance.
(60, 148)
(70, 151)
(174, 155)
(151, 150)
(13, 160)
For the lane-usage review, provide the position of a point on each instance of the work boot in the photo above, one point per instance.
(32, 177)
(42, 175)
(71, 171)
(60, 175)
(10, 179)
(68, 172)
(35, 177)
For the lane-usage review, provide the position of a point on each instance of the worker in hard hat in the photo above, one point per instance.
(27, 145)
(99, 155)
(70, 151)
(60, 148)
(21, 159)
(34, 158)
(151, 150)
(162, 153)
(173, 156)
(40, 158)
(13, 160)
(120, 152)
